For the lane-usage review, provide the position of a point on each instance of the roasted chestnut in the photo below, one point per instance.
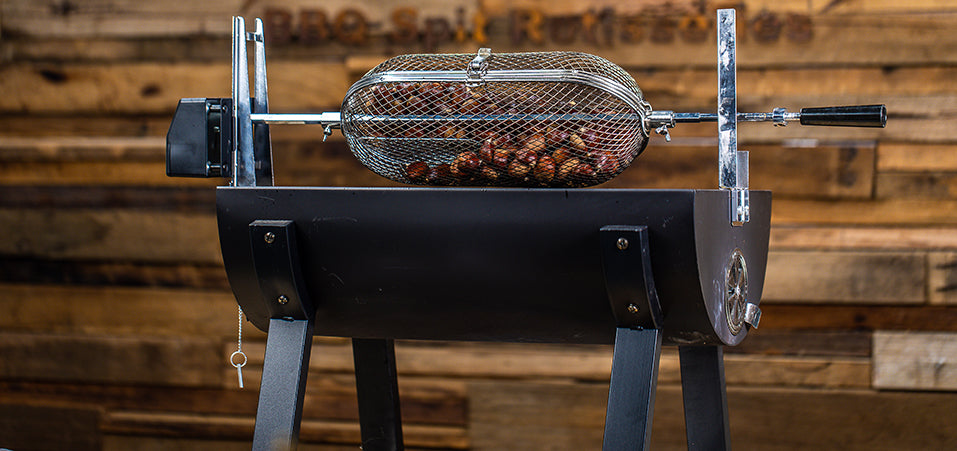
(440, 174)
(545, 169)
(417, 171)
(517, 169)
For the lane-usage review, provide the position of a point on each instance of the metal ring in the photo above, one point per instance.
(233, 356)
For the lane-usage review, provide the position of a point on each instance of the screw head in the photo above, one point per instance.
(269, 237)
(283, 299)
(632, 308)
(622, 243)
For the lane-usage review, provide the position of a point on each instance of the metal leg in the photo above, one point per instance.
(283, 385)
(631, 394)
(377, 388)
(705, 398)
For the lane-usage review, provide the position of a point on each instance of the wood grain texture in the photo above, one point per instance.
(942, 278)
(147, 443)
(583, 363)
(848, 237)
(93, 359)
(98, 273)
(118, 311)
(329, 396)
(845, 277)
(826, 170)
(922, 185)
(915, 360)
(110, 234)
(241, 428)
(890, 212)
(862, 34)
(155, 87)
(909, 157)
(524, 415)
(50, 427)
(821, 317)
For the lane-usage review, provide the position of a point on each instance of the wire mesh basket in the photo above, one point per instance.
(558, 119)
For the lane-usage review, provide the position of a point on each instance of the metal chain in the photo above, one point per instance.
(239, 351)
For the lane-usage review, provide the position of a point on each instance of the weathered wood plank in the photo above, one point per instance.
(921, 185)
(526, 415)
(942, 278)
(823, 171)
(897, 212)
(35, 271)
(49, 427)
(845, 277)
(228, 427)
(110, 235)
(862, 238)
(110, 360)
(328, 397)
(81, 148)
(83, 127)
(142, 443)
(155, 87)
(170, 198)
(591, 363)
(910, 157)
(781, 371)
(114, 173)
(119, 311)
(804, 344)
(918, 38)
(826, 170)
(857, 317)
(915, 360)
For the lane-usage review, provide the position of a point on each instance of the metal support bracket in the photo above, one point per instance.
(289, 341)
(251, 146)
(732, 164)
(276, 259)
(626, 263)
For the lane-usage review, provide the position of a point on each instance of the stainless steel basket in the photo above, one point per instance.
(511, 119)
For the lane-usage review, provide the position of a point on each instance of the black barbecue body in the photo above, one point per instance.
(493, 264)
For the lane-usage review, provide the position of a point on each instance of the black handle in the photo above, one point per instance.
(846, 116)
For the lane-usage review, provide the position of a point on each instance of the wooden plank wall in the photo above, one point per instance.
(116, 319)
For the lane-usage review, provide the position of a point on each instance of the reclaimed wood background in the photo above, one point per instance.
(116, 319)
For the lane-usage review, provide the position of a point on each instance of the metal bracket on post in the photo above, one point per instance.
(289, 339)
(251, 159)
(732, 164)
(626, 263)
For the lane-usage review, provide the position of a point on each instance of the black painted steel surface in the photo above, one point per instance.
(493, 264)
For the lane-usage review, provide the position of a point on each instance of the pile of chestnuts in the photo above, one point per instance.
(550, 157)
(461, 136)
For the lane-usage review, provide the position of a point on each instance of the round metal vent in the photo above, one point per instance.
(736, 291)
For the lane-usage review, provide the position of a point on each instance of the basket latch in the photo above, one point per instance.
(475, 72)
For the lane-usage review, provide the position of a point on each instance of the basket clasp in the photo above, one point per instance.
(477, 68)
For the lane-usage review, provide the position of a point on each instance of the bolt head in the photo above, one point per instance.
(632, 308)
(269, 237)
(622, 243)
(283, 299)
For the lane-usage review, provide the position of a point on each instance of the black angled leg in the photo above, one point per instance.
(631, 394)
(705, 397)
(283, 385)
(377, 388)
